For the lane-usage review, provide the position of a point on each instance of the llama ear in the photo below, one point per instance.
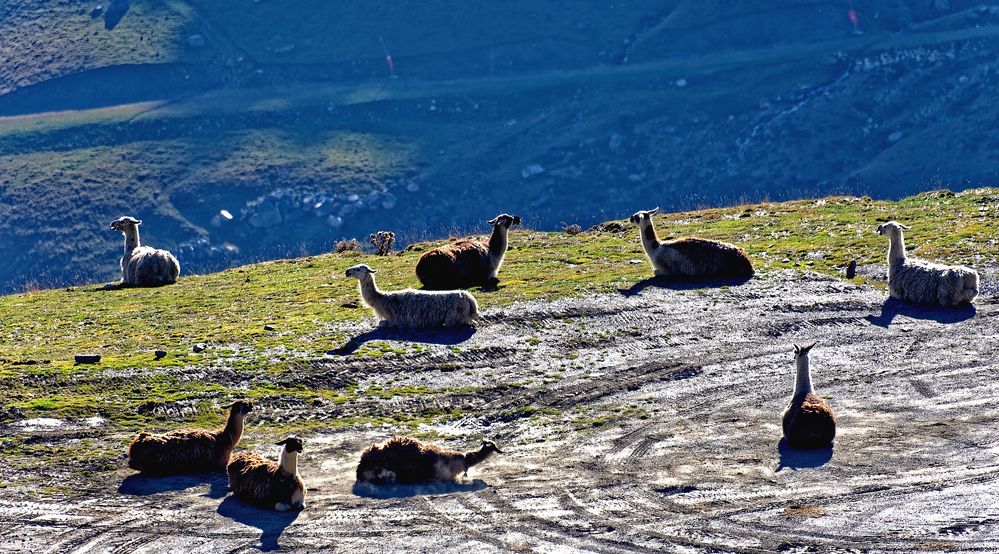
(281, 442)
(371, 270)
(655, 211)
(810, 346)
(228, 406)
(906, 227)
(493, 221)
(516, 220)
(797, 348)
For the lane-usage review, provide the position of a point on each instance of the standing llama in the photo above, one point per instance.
(691, 257)
(257, 480)
(405, 460)
(142, 266)
(415, 309)
(923, 282)
(808, 421)
(189, 450)
(468, 262)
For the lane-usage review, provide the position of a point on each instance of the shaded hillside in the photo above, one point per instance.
(559, 111)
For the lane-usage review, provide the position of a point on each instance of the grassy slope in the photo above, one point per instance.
(308, 299)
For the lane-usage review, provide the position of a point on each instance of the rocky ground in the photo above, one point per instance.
(651, 424)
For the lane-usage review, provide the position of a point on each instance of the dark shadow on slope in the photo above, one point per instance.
(795, 458)
(145, 485)
(115, 12)
(893, 307)
(271, 523)
(680, 284)
(369, 490)
(455, 335)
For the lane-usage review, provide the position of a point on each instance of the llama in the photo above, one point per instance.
(142, 266)
(415, 309)
(923, 282)
(189, 450)
(257, 480)
(383, 242)
(689, 256)
(407, 460)
(468, 262)
(808, 421)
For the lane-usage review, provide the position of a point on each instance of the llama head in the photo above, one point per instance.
(291, 444)
(490, 447)
(892, 228)
(802, 351)
(124, 222)
(359, 271)
(241, 407)
(504, 220)
(644, 215)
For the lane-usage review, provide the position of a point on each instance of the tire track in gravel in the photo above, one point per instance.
(712, 371)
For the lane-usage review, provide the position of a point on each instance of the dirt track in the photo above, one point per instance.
(654, 425)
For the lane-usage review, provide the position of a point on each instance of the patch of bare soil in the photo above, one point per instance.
(647, 421)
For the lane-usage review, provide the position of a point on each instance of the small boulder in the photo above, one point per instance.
(268, 327)
(87, 358)
(196, 41)
(200, 347)
(159, 354)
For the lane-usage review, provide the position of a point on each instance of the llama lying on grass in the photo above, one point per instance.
(404, 460)
(189, 450)
(142, 266)
(257, 480)
(919, 281)
(467, 262)
(691, 257)
(415, 309)
(808, 421)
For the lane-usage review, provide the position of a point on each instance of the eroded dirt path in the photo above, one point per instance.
(644, 421)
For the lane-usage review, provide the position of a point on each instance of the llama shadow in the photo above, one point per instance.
(115, 12)
(894, 307)
(795, 458)
(145, 485)
(271, 523)
(382, 492)
(674, 283)
(448, 336)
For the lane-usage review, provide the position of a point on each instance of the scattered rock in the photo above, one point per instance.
(531, 171)
(196, 41)
(87, 358)
(851, 270)
(895, 137)
(268, 327)
(200, 347)
(615, 142)
(97, 11)
(680, 83)
(349, 304)
(159, 354)
(267, 215)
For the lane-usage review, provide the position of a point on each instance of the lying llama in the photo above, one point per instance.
(415, 309)
(257, 480)
(142, 266)
(189, 450)
(808, 420)
(406, 460)
(468, 262)
(689, 256)
(383, 242)
(919, 281)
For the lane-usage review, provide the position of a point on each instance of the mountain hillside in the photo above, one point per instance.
(283, 115)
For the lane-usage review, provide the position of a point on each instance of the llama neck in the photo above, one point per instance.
(649, 238)
(498, 242)
(234, 427)
(803, 381)
(289, 462)
(474, 457)
(896, 248)
(369, 291)
(131, 239)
